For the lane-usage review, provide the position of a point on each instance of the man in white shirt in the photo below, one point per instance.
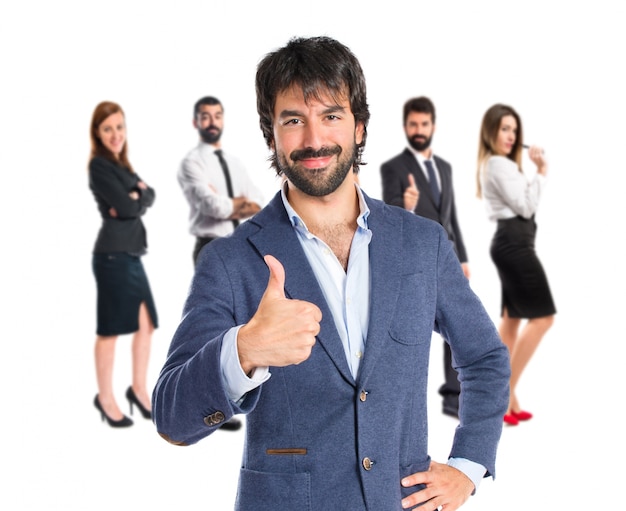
(218, 199)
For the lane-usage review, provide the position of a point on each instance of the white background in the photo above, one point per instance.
(558, 63)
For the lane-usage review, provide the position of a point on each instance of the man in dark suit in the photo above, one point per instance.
(419, 181)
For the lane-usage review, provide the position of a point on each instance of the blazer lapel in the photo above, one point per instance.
(446, 182)
(278, 238)
(385, 257)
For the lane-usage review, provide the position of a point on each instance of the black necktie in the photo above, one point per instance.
(229, 185)
(432, 181)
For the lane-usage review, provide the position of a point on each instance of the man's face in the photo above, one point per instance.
(419, 129)
(209, 122)
(315, 143)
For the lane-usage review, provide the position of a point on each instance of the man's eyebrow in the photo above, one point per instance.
(297, 113)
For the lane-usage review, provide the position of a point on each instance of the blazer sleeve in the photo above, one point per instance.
(393, 185)
(146, 196)
(113, 190)
(190, 389)
(456, 227)
(481, 359)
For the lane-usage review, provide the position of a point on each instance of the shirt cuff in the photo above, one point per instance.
(236, 382)
(475, 471)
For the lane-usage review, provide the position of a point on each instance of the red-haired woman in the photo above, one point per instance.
(125, 304)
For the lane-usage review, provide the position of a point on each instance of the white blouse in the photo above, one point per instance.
(507, 192)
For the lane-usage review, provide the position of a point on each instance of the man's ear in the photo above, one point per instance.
(358, 132)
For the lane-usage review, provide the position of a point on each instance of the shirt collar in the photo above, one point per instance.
(298, 223)
(421, 159)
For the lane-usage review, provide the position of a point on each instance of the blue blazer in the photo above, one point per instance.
(317, 438)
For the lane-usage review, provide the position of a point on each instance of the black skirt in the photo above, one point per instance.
(525, 289)
(122, 286)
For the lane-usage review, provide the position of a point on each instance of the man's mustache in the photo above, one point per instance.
(305, 154)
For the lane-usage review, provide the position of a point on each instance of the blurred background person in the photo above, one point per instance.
(419, 181)
(124, 300)
(511, 199)
(216, 185)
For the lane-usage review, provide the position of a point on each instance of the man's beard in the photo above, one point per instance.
(419, 143)
(317, 182)
(211, 134)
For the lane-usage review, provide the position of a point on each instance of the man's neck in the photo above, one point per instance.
(427, 153)
(338, 208)
(215, 146)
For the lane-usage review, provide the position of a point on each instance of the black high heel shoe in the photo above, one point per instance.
(124, 422)
(132, 400)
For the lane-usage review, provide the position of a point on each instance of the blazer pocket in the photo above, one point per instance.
(413, 318)
(413, 469)
(269, 491)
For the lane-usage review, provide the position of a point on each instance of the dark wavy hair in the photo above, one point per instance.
(100, 113)
(421, 104)
(319, 66)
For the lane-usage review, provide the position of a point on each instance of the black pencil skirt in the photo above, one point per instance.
(122, 286)
(525, 289)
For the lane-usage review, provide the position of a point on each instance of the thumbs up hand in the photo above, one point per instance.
(411, 194)
(282, 331)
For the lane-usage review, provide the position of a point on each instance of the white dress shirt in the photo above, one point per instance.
(507, 192)
(201, 177)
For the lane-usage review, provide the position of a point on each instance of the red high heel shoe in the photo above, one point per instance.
(522, 415)
(510, 419)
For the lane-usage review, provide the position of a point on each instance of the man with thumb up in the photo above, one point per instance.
(314, 320)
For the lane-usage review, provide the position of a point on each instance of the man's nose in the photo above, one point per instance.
(313, 135)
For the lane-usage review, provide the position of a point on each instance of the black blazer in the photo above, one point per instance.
(111, 185)
(394, 174)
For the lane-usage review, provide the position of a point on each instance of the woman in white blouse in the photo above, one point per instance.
(511, 200)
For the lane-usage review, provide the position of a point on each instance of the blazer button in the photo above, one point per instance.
(367, 464)
(363, 395)
(214, 419)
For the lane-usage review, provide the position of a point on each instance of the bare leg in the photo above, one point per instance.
(508, 333)
(142, 341)
(521, 346)
(105, 356)
(525, 346)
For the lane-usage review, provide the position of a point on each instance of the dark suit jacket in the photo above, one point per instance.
(312, 427)
(111, 185)
(394, 174)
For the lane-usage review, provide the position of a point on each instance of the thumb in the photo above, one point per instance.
(411, 181)
(276, 283)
